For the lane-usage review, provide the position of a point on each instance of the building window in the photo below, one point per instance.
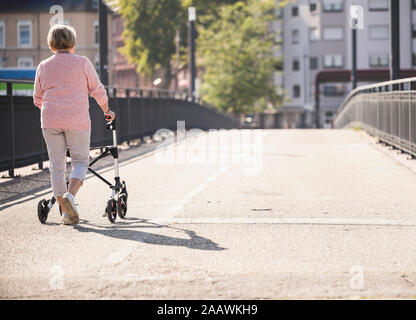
(329, 115)
(2, 34)
(414, 30)
(313, 63)
(295, 11)
(333, 33)
(379, 59)
(96, 33)
(333, 90)
(295, 36)
(414, 4)
(313, 34)
(379, 32)
(313, 5)
(296, 91)
(25, 62)
(332, 5)
(378, 5)
(24, 33)
(295, 64)
(333, 61)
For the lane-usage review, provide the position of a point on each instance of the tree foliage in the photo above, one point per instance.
(150, 28)
(237, 56)
(234, 46)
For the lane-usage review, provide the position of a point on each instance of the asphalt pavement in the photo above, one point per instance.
(275, 214)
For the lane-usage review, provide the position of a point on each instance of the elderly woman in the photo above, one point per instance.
(62, 85)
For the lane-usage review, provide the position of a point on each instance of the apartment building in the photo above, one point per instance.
(24, 26)
(316, 36)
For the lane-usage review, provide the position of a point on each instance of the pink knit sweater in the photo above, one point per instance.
(62, 85)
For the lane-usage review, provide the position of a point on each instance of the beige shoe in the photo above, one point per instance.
(68, 206)
(65, 220)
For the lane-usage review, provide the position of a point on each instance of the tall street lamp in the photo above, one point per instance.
(103, 42)
(191, 38)
(356, 22)
(395, 39)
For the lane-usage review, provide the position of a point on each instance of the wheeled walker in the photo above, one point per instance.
(117, 203)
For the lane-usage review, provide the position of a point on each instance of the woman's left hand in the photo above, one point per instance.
(110, 116)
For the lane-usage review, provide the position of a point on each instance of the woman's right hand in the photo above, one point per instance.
(110, 116)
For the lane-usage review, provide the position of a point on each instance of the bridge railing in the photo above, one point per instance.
(139, 113)
(386, 110)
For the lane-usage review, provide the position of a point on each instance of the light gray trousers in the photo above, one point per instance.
(57, 140)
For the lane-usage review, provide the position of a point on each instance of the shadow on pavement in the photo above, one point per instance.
(123, 230)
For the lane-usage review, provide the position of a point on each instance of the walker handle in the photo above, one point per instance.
(111, 125)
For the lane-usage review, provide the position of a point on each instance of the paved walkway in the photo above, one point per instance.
(288, 214)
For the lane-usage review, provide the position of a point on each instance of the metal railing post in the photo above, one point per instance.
(129, 134)
(400, 116)
(391, 115)
(10, 94)
(378, 114)
(412, 156)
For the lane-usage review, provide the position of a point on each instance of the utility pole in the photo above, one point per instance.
(354, 58)
(191, 37)
(356, 22)
(317, 108)
(177, 51)
(395, 39)
(103, 41)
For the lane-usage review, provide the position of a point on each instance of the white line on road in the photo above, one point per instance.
(310, 221)
(181, 204)
(170, 214)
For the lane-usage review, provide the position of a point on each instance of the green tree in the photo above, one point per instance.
(150, 31)
(149, 35)
(236, 54)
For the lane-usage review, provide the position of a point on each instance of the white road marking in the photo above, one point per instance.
(181, 203)
(170, 214)
(294, 221)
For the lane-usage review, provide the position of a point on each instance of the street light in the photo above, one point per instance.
(191, 38)
(395, 39)
(103, 41)
(356, 22)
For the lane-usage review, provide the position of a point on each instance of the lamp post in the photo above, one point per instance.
(191, 38)
(395, 39)
(356, 22)
(103, 42)
(354, 58)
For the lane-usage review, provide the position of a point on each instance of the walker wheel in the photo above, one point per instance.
(111, 210)
(43, 210)
(122, 206)
(122, 202)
